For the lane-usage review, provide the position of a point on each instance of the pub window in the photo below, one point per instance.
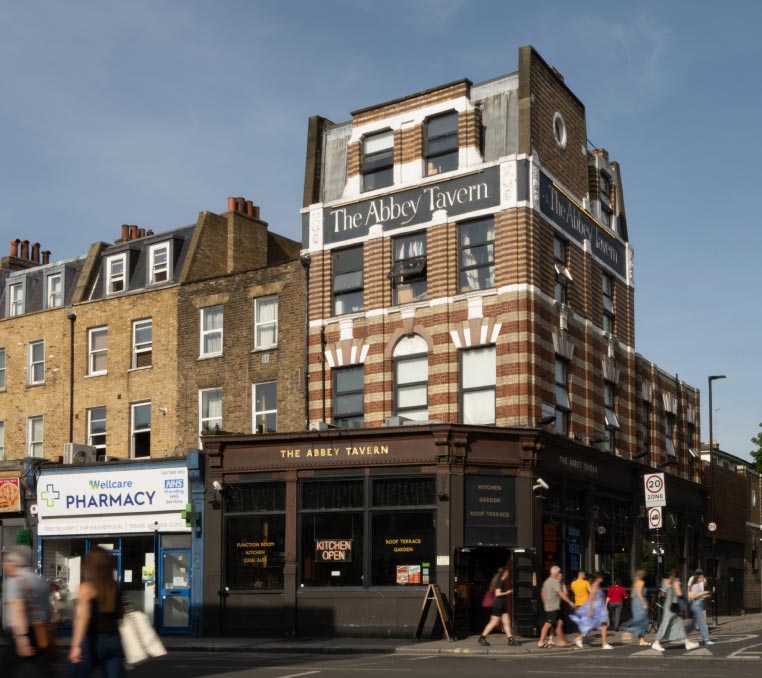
(378, 160)
(142, 343)
(669, 421)
(476, 259)
(411, 380)
(477, 379)
(96, 429)
(255, 536)
(348, 396)
(609, 406)
(348, 280)
(54, 297)
(408, 273)
(441, 147)
(563, 406)
(563, 276)
(608, 303)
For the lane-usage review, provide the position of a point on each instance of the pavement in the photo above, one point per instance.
(750, 623)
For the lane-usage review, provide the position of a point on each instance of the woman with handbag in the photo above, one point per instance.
(672, 627)
(499, 588)
(95, 641)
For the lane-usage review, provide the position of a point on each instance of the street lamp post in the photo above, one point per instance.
(715, 568)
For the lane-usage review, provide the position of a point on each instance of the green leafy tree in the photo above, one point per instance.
(756, 455)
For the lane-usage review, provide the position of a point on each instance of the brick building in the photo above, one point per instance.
(471, 332)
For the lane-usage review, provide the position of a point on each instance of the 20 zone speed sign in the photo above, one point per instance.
(656, 494)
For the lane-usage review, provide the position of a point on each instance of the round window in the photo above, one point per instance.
(559, 129)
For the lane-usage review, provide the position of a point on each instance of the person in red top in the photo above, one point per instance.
(615, 601)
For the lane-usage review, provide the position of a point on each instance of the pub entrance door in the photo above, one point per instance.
(474, 569)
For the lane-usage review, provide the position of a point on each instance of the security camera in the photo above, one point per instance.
(217, 486)
(540, 485)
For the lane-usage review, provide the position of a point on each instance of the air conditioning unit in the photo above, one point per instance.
(74, 453)
(322, 426)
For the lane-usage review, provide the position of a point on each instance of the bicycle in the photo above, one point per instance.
(655, 612)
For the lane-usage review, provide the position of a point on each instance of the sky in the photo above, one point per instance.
(148, 112)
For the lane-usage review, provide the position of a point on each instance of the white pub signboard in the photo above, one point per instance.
(656, 493)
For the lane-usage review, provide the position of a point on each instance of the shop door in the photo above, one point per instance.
(174, 594)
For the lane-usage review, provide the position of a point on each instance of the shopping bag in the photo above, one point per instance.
(139, 640)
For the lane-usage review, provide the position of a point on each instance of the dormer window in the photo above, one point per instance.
(54, 297)
(442, 144)
(158, 263)
(116, 273)
(16, 297)
(378, 160)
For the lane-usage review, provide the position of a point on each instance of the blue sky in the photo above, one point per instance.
(147, 112)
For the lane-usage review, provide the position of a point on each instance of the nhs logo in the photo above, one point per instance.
(174, 484)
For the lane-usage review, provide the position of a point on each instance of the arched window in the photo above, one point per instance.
(411, 378)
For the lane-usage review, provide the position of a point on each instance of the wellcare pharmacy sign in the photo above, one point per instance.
(123, 500)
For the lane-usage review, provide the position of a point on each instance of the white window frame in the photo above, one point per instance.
(92, 353)
(90, 435)
(255, 412)
(143, 347)
(112, 278)
(32, 364)
(54, 299)
(3, 371)
(34, 445)
(211, 421)
(134, 431)
(485, 386)
(15, 299)
(203, 334)
(263, 324)
(155, 269)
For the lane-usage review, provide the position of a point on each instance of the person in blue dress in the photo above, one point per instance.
(639, 607)
(593, 614)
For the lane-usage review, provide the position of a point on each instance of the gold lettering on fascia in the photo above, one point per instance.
(335, 452)
(578, 465)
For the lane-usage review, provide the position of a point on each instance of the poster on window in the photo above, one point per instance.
(10, 496)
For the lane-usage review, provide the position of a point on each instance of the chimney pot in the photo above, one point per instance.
(256, 212)
(125, 232)
(231, 204)
(45, 256)
(15, 247)
(249, 208)
(240, 205)
(149, 232)
(133, 232)
(141, 233)
(36, 253)
(25, 249)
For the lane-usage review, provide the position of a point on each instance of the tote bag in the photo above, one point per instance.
(139, 640)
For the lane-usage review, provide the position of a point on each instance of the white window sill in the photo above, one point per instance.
(140, 369)
(210, 356)
(96, 374)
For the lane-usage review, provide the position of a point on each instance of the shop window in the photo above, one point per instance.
(265, 401)
(266, 322)
(408, 273)
(2, 368)
(563, 276)
(140, 438)
(97, 351)
(62, 561)
(411, 381)
(54, 297)
(255, 552)
(563, 406)
(332, 549)
(35, 436)
(211, 331)
(96, 429)
(36, 362)
(669, 434)
(609, 406)
(116, 267)
(608, 303)
(142, 343)
(378, 160)
(476, 261)
(159, 265)
(477, 379)
(348, 396)
(209, 409)
(348, 280)
(16, 299)
(441, 147)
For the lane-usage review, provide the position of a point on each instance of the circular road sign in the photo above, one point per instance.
(655, 483)
(712, 527)
(654, 517)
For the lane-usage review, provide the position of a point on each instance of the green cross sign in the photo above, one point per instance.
(190, 516)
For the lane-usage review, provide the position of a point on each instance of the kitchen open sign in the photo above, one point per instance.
(656, 493)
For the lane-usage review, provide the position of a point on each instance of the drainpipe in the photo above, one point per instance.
(72, 318)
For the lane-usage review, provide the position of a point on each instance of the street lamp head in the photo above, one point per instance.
(715, 377)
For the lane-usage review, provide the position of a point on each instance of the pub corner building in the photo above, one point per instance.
(146, 514)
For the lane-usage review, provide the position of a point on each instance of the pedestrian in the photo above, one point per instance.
(615, 601)
(552, 594)
(672, 627)
(499, 614)
(580, 588)
(592, 614)
(95, 641)
(697, 596)
(639, 608)
(27, 605)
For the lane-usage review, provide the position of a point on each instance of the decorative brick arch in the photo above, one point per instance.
(406, 331)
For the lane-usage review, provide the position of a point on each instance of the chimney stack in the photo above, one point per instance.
(15, 247)
(25, 249)
(231, 204)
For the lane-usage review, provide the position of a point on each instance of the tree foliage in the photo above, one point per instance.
(756, 455)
